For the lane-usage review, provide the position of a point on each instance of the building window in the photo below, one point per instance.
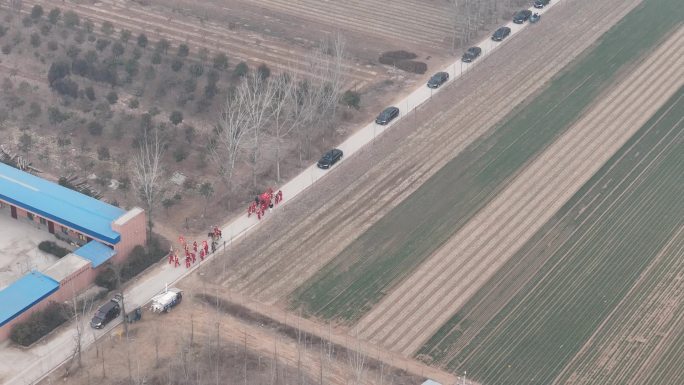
(65, 230)
(82, 237)
(29, 216)
(43, 221)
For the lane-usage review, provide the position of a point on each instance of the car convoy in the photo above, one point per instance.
(390, 113)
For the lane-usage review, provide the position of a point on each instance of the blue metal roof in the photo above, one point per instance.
(60, 204)
(95, 252)
(24, 293)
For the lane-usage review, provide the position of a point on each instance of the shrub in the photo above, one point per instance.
(183, 50)
(196, 69)
(156, 58)
(52, 45)
(221, 61)
(179, 154)
(35, 40)
(142, 40)
(107, 279)
(112, 97)
(58, 70)
(399, 55)
(117, 49)
(66, 87)
(3, 30)
(176, 65)
(71, 19)
(176, 117)
(162, 46)
(45, 29)
(36, 12)
(101, 44)
(95, 128)
(103, 153)
(55, 116)
(6, 49)
(241, 70)
(73, 51)
(27, 21)
(263, 71)
(142, 258)
(133, 103)
(351, 99)
(54, 14)
(53, 248)
(107, 28)
(40, 323)
(90, 93)
(88, 26)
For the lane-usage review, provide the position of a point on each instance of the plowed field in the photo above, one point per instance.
(299, 240)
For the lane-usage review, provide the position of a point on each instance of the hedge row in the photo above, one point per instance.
(53, 248)
(40, 323)
(140, 259)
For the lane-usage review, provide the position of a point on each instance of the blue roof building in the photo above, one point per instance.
(95, 252)
(24, 293)
(64, 206)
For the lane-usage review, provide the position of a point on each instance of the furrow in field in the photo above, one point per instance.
(271, 272)
(424, 301)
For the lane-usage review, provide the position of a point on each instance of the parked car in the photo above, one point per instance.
(501, 33)
(522, 16)
(387, 115)
(329, 158)
(438, 79)
(106, 313)
(541, 3)
(471, 54)
(535, 17)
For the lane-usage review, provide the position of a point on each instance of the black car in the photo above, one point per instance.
(522, 16)
(387, 115)
(438, 79)
(329, 158)
(541, 3)
(106, 313)
(501, 33)
(471, 54)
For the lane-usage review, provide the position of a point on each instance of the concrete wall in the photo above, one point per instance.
(132, 227)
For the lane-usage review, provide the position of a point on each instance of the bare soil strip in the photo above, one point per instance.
(321, 223)
(428, 298)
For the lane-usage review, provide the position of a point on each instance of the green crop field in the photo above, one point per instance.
(361, 274)
(618, 231)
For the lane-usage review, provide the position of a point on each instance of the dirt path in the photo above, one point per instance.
(424, 301)
(297, 241)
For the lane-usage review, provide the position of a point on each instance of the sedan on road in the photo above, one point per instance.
(387, 115)
(522, 16)
(329, 158)
(501, 33)
(438, 79)
(541, 3)
(471, 54)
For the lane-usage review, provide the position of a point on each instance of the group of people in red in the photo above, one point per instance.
(192, 251)
(264, 202)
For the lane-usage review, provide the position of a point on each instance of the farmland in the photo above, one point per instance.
(595, 249)
(361, 274)
(317, 226)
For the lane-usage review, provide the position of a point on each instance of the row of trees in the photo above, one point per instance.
(279, 106)
(469, 16)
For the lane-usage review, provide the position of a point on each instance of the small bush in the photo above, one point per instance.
(101, 44)
(241, 70)
(399, 55)
(176, 65)
(95, 128)
(263, 71)
(90, 93)
(35, 40)
(141, 258)
(221, 61)
(40, 323)
(112, 97)
(183, 50)
(351, 99)
(103, 153)
(36, 12)
(106, 278)
(133, 103)
(142, 40)
(53, 248)
(6, 49)
(54, 14)
(180, 154)
(196, 69)
(52, 45)
(71, 19)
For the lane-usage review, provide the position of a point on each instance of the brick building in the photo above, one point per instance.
(99, 231)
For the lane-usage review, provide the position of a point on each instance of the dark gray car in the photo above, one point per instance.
(105, 314)
(471, 54)
(387, 115)
(522, 16)
(501, 33)
(329, 158)
(541, 3)
(438, 79)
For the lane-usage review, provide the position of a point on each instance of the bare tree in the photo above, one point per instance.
(284, 101)
(258, 93)
(148, 172)
(230, 133)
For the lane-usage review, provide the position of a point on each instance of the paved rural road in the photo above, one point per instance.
(28, 367)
